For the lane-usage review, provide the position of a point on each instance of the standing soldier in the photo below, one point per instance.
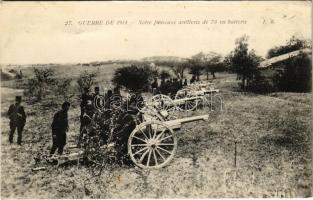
(175, 86)
(185, 82)
(97, 92)
(85, 98)
(98, 100)
(107, 99)
(155, 85)
(193, 79)
(83, 104)
(59, 127)
(17, 118)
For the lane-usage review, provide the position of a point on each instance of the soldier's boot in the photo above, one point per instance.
(19, 135)
(11, 135)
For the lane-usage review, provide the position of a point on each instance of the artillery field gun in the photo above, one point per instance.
(186, 99)
(269, 62)
(152, 140)
(150, 137)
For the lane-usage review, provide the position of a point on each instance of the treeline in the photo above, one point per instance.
(290, 75)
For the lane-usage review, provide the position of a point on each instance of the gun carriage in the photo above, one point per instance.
(186, 99)
(147, 137)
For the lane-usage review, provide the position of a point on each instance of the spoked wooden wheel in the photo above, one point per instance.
(152, 144)
(184, 104)
(161, 102)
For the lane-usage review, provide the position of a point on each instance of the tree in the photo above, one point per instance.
(244, 62)
(213, 63)
(179, 68)
(85, 81)
(227, 62)
(39, 85)
(293, 44)
(152, 71)
(293, 74)
(196, 65)
(209, 63)
(133, 77)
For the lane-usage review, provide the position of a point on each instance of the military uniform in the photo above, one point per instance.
(107, 99)
(17, 118)
(86, 119)
(59, 127)
(155, 85)
(84, 99)
(125, 124)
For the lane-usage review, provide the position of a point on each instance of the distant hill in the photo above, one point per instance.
(163, 59)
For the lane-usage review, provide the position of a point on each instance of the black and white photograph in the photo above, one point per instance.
(156, 99)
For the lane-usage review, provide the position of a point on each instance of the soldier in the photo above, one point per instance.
(116, 90)
(116, 99)
(155, 84)
(175, 86)
(95, 97)
(108, 98)
(84, 108)
(180, 83)
(162, 82)
(193, 79)
(84, 99)
(97, 91)
(125, 123)
(166, 87)
(59, 128)
(185, 82)
(86, 120)
(17, 118)
(135, 103)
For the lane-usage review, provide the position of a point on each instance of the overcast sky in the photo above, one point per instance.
(34, 32)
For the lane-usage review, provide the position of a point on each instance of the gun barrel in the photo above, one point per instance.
(177, 123)
(184, 100)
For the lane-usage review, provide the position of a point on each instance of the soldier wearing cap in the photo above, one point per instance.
(85, 97)
(108, 99)
(96, 94)
(17, 118)
(59, 127)
(155, 84)
(98, 100)
(185, 82)
(86, 119)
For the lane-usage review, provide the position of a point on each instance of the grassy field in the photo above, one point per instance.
(272, 135)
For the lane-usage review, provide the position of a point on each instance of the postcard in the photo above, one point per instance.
(156, 99)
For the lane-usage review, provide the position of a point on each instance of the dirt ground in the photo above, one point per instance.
(272, 134)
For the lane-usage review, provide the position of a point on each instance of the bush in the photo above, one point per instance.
(261, 85)
(62, 87)
(164, 75)
(291, 75)
(133, 77)
(295, 75)
(86, 80)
